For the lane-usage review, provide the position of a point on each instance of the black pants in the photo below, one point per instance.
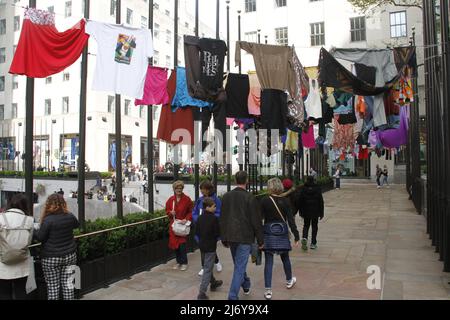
(315, 228)
(13, 289)
(181, 254)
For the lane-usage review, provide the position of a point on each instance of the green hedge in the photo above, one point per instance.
(113, 242)
(38, 174)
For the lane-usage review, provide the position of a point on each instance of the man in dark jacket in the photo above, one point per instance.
(240, 224)
(311, 208)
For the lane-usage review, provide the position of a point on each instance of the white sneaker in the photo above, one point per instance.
(290, 284)
(200, 273)
(176, 267)
(219, 267)
(268, 294)
(184, 267)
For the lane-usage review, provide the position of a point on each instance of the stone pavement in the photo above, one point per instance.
(363, 227)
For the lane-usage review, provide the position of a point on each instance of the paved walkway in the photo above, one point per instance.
(363, 227)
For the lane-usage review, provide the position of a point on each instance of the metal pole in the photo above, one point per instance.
(29, 123)
(176, 167)
(229, 165)
(239, 37)
(196, 165)
(215, 169)
(119, 191)
(150, 143)
(82, 142)
(259, 36)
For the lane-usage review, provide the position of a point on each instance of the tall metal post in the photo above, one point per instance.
(119, 190)
(29, 124)
(239, 37)
(150, 143)
(229, 165)
(82, 142)
(216, 151)
(197, 158)
(176, 167)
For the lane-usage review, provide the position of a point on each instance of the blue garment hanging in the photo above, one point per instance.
(182, 97)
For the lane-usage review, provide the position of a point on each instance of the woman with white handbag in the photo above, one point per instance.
(179, 210)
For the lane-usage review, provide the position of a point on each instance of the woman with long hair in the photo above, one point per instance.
(14, 274)
(58, 252)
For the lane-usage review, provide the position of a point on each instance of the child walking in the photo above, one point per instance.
(208, 233)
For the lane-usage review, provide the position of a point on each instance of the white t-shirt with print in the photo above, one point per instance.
(122, 58)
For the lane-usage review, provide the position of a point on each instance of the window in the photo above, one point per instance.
(2, 83)
(16, 23)
(141, 112)
(2, 26)
(168, 13)
(2, 55)
(144, 22)
(66, 76)
(318, 34)
(65, 106)
(68, 10)
(168, 36)
(15, 82)
(186, 24)
(156, 31)
(358, 29)
(48, 80)
(398, 24)
(281, 36)
(111, 103)
(129, 16)
(14, 111)
(48, 107)
(156, 58)
(2, 112)
(112, 8)
(127, 107)
(168, 61)
(51, 9)
(251, 36)
(281, 3)
(250, 5)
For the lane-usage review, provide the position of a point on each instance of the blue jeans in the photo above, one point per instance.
(181, 254)
(240, 253)
(269, 267)
(338, 183)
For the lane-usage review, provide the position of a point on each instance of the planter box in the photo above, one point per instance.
(92, 275)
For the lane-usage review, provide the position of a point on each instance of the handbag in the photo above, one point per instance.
(279, 212)
(276, 234)
(181, 230)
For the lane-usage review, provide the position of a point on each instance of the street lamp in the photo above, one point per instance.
(18, 143)
(51, 143)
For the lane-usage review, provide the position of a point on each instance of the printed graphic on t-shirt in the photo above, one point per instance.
(124, 49)
(210, 64)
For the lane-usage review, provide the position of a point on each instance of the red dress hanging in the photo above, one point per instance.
(42, 50)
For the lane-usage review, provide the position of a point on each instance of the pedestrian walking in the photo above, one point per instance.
(291, 193)
(379, 173)
(58, 253)
(385, 176)
(207, 190)
(16, 231)
(240, 224)
(179, 207)
(208, 232)
(311, 210)
(337, 176)
(277, 214)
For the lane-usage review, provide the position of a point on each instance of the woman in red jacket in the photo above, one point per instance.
(179, 207)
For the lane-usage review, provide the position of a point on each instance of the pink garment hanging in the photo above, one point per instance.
(155, 91)
(254, 98)
(308, 138)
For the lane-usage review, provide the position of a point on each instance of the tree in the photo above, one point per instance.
(366, 5)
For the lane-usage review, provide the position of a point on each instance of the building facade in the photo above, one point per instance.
(57, 98)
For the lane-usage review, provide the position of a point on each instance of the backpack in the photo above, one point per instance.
(14, 242)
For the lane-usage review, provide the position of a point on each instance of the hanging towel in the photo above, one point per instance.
(42, 50)
(155, 91)
(254, 98)
(313, 104)
(292, 141)
(308, 138)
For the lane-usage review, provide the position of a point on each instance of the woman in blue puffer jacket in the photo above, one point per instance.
(207, 190)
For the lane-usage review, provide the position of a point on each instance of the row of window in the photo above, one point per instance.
(13, 111)
(357, 30)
